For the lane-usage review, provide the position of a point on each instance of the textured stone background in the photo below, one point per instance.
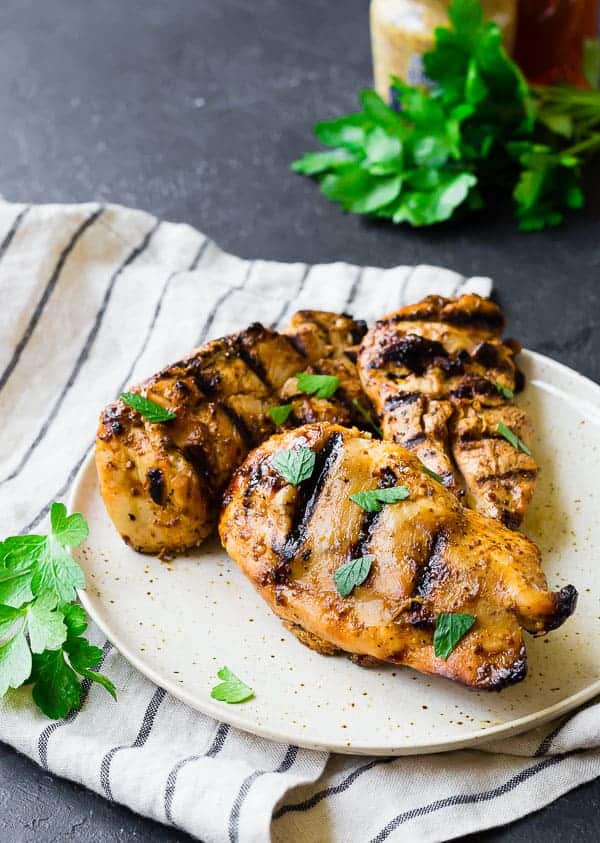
(192, 109)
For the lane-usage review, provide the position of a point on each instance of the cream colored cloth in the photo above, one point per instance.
(92, 299)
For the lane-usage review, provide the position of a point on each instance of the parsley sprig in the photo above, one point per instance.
(507, 433)
(41, 627)
(231, 689)
(504, 391)
(450, 627)
(352, 573)
(433, 474)
(321, 386)
(371, 500)
(280, 414)
(478, 129)
(150, 410)
(294, 464)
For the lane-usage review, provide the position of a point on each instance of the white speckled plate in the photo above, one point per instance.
(180, 622)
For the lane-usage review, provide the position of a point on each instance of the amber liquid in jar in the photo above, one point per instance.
(550, 39)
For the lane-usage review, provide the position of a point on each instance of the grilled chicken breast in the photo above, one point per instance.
(430, 555)
(438, 375)
(162, 483)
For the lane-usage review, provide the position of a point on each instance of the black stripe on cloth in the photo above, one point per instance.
(199, 254)
(83, 354)
(47, 733)
(51, 284)
(467, 798)
(547, 742)
(73, 473)
(334, 789)
(12, 231)
(214, 749)
(140, 740)
(288, 302)
(46, 508)
(354, 288)
(220, 302)
(234, 817)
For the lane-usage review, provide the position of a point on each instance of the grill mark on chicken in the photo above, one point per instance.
(156, 485)
(358, 330)
(239, 424)
(401, 398)
(411, 351)
(297, 344)
(197, 457)
(488, 355)
(479, 435)
(434, 570)
(254, 364)
(413, 440)
(207, 383)
(307, 498)
(473, 386)
(369, 522)
(514, 474)
(493, 321)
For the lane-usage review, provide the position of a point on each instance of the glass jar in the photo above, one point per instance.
(550, 38)
(402, 30)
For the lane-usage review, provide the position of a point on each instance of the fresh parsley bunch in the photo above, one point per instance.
(41, 627)
(456, 146)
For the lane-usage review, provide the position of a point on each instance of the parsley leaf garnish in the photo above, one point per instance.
(280, 414)
(231, 689)
(352, 573)
(371, 499)
(15, 662)
(449, 629)
(43, 564)
(295, 464)
(322, 386)
(432, 474)
(478, 129)
(40, 626)
(147, 408)
(512, 437)
(368, 417)
(504, 390)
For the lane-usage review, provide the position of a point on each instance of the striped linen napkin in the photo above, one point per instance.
(93, 298)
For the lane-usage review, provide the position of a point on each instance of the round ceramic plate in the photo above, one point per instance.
(179, 622)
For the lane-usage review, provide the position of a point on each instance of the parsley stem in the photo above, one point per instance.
(589, 143)
(367, 416)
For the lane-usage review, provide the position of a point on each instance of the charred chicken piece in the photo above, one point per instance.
(430, 555)
(438, 375)
(162, 483)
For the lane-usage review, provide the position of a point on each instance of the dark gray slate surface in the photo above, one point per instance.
(192, 109)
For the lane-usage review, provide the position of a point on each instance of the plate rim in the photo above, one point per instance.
(228, 715)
